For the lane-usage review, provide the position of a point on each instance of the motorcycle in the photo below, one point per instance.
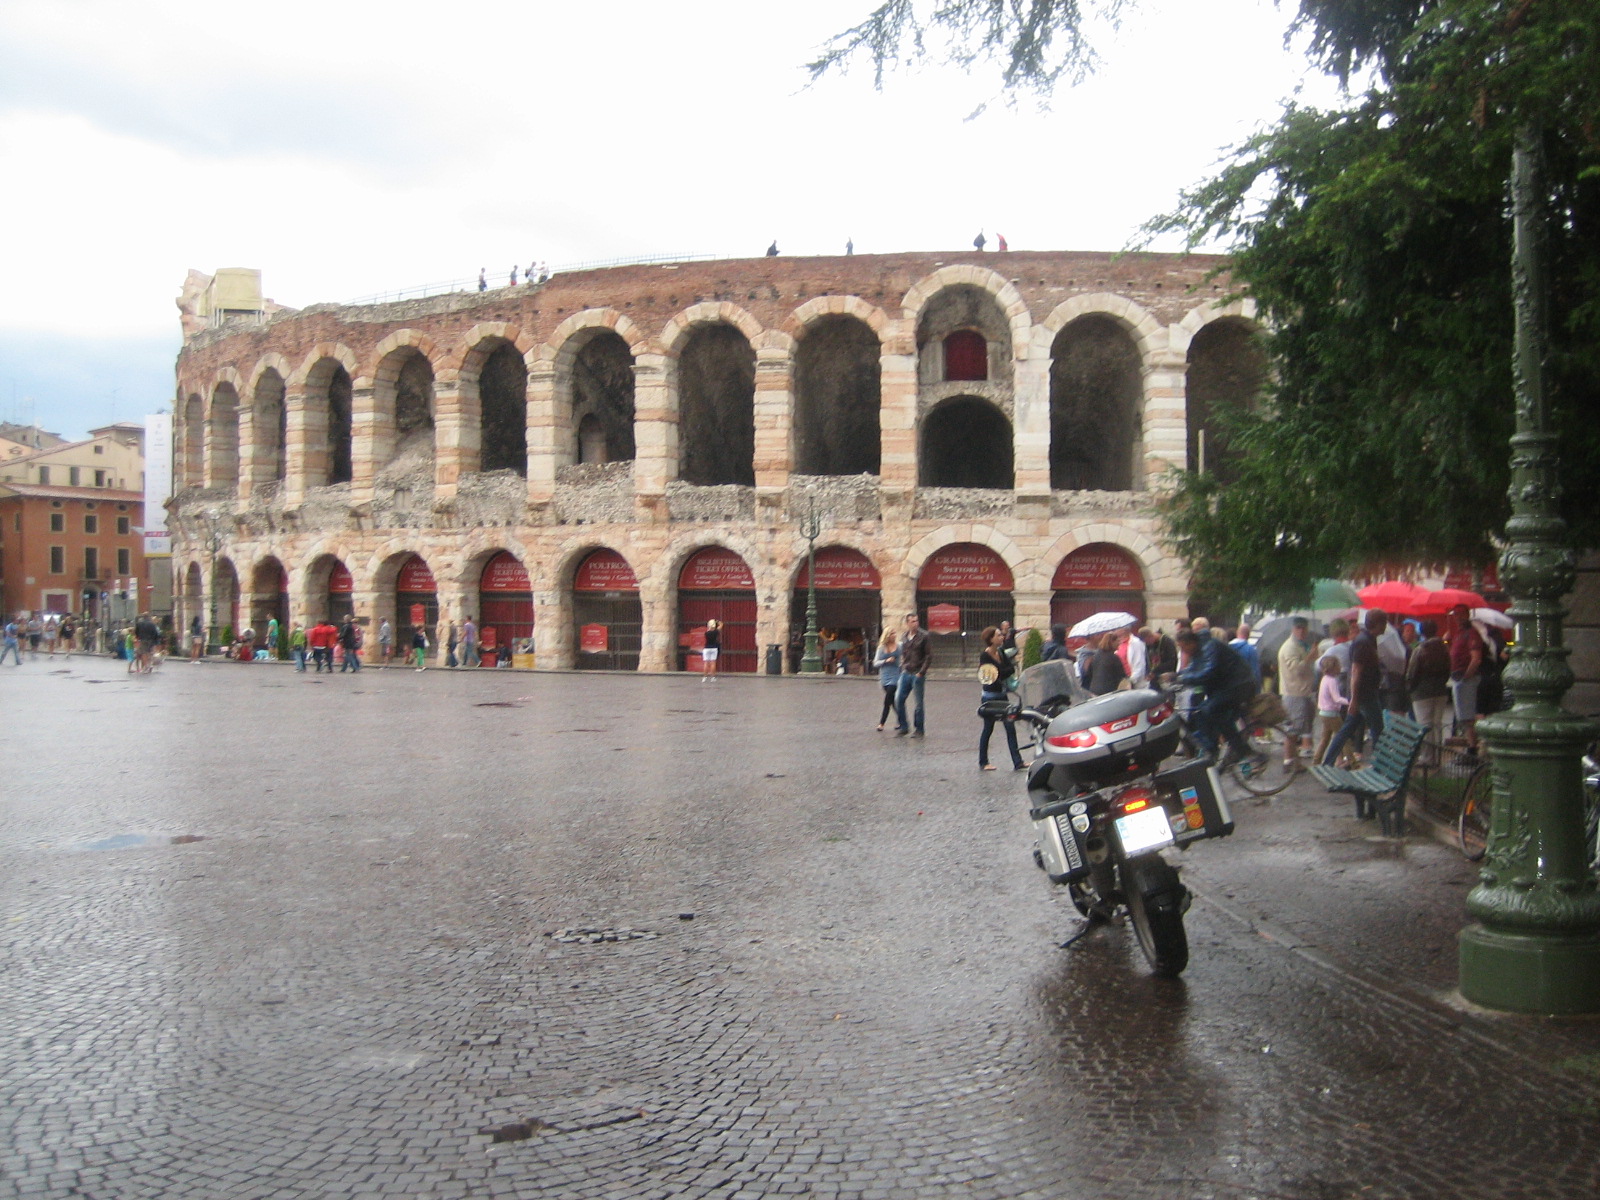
(1104, 810)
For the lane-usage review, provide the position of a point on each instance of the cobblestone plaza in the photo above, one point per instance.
(275, 935)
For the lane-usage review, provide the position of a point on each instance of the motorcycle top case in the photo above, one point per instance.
(1111, 737)
(1192, 796)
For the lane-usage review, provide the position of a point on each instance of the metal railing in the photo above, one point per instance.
(446, 287)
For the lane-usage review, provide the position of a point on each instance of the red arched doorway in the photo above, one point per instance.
(416, 602)
(1095, 578)
(962, 589)
(716, 582)
(607, 614)
(505, 608)
(848, 608)
(341, 595)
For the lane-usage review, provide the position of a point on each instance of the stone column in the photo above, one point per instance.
(249, 448)
(655, 435)
(543, 457)
(371, 437)
(898, 417)
(457, 432)
(773, 404)
(306, 445)
(659, 637)
(1032, 609)
(1031, 428)
(1166, 427)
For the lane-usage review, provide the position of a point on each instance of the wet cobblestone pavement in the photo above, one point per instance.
(273, 935)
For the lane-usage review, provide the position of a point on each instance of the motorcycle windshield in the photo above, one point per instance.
(1048, 681)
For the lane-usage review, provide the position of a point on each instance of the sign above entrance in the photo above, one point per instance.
(944, 618)
(415, 577)
(715, 569)
(594, 639)
(339, 581)
(605, 571)
(1100, 567)
(964, 567)
(840, 567)
(504, 573)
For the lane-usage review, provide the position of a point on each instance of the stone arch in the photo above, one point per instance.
(322, 414)
(592, 355)
(910, 567)
(466, 562)
(1004, 292)
(1157, 565)
(966, 441)
(837, 388)
(266, 456)
(492, 377)
(962, 309)
(1148, 333)
(222, 431)
(1225, 368)
(1097, 386)
(192, 424)
(401, 421)
(848, 306)
(711, 382)
(677, 330)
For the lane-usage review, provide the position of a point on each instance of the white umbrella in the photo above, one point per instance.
(1102, 622)
(1494, 617)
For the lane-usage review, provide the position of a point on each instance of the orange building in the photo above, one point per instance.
(62, 549)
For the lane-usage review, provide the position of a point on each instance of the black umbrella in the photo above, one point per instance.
(1271, 636)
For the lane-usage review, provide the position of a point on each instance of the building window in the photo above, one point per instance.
(72, 476)
(966, 356)
(99, 449)
(91, 523)
(91, 563)
(55, 504)
(44, 474)
(58, 522)
(123, 525)
(100, 479)
(90, 505)
(58, 560)
(122, 508)
(124, 562)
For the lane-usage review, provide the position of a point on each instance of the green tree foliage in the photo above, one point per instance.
(1032, 647)
(1376, 239)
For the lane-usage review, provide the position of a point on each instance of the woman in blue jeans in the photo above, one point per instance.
(994, 668)
(887, 662)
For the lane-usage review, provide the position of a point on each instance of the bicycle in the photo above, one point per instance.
(1262, 774)
(1472, 822)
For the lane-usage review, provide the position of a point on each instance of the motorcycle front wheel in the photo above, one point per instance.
(1158, 924)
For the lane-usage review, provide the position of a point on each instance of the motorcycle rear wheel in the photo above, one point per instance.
(1158, 925)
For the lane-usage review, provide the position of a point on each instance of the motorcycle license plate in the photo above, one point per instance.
(1147, 829)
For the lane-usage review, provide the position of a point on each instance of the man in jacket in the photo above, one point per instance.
(321, 639)
(350, 643)
(1229, 686)
(1297, 685)
(914, 654)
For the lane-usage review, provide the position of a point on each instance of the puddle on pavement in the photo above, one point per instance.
(135, 841)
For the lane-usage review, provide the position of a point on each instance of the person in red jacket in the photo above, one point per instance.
(321, 640)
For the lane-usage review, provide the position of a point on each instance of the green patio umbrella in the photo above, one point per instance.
(1333, 593)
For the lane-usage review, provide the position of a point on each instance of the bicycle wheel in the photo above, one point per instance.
(1271, 777)
(1472, 825)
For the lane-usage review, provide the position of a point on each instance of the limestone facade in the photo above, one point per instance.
(657, 410)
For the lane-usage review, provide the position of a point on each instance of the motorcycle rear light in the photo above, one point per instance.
(1134, 799)
(1131, 806)
(1160, 713)
(1071, 741)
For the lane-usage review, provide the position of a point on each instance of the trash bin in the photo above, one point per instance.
(774, 659)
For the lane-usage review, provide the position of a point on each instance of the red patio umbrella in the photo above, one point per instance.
(1444, 599)
(1395, 596)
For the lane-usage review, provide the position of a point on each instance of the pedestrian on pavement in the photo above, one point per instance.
(1160, 650)
(1428, 680)
(51, 632)
(1337, 643)
(419, 647)
(1131, 649)
(1392, 656)
(995, 667)
(887, 663)
(297, 647)
(11, 643)
(915, 652)
(711, 651)
(1106, 672)
(469, 643)
(1242, 647)
(321, 639)
(451, 640)
(35, 634)
(1467, 652)
(350, 646)
(1365, 716)
(197, 638)
(68, 634)
(1056, 646)
(385, 640)
(1297, 687)
(272, 638)
(1331, 703)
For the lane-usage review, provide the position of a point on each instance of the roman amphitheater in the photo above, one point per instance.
(594, 465)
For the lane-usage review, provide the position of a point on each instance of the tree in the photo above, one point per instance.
(1375, 239)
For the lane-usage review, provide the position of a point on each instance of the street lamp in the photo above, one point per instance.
(810, 527)
(1536, 945)
(213, 544)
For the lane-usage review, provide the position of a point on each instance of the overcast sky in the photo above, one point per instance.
(351, 147)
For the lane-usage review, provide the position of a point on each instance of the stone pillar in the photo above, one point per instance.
(250, 439)
(898, 415)
(655, 435)
(659, 640)
(371, 437)
(1032, 609)
(306, 444)
(1031, 429)
(457, 432)
(543, 456)
(774, 406)
(1166, 426)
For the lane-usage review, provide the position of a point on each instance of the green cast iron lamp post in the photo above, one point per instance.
(810, 528)
(1535, 947)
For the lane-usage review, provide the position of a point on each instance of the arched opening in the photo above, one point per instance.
(964, 335)
(505, 609)
(194, 599)
(403, 391)
(194, 442)
(222, 438)
(838, 395)
(966, 356)
(602, 399)
(328, 393)
(607, 614)
(416, 601)
(966, 442)
(1227, 370)
(716, 407)
(961, 589)
(225, 603)
(268, 454)
(716, 582)
(849, 609)
(1099, 577)
(1096, 407)
(503, 394)
(269, 601)
(341, 594)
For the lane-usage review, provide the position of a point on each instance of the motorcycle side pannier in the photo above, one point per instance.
(1062, 830)
(1192, 796)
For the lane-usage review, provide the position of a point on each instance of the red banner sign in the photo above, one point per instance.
(1098, 568)
(944, 618)
(840, 567)
(964, 568)
(339, 581)
(715, 569)
(605, 571)
(419, 614)
(504, 573)
(1490, 575)
(594, 639)
(415, 577)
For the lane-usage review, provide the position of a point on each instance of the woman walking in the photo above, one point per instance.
(994, 668)
(887, 663)
(1106, 672)
(713, 647)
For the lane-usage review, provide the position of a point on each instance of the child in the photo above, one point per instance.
(1331, 703)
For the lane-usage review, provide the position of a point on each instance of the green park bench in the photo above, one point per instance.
(1380, 787)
